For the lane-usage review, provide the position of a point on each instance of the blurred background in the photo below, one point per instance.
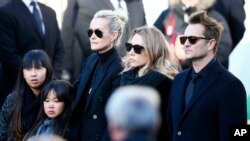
(239, 63)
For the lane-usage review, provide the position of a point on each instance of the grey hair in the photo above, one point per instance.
(46, 137)
(202, 4)
(117, 21)
(134, 109)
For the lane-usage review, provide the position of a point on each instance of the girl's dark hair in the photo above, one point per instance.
(64, 93)
(33, 58)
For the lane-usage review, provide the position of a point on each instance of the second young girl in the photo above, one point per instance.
(57, 104)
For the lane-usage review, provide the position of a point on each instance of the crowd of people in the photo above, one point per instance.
(108, 76)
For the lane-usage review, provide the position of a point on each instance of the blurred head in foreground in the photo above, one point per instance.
(133, 112)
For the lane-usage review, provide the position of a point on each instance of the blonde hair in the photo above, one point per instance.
(117, 21)
(161, 59)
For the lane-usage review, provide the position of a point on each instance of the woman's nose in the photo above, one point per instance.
(51, 105)
(131, 52)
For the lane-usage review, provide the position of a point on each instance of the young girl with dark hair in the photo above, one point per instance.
(57, 104)
(21, 107)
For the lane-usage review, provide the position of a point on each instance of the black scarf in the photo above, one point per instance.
(30, 109)
(151, 78)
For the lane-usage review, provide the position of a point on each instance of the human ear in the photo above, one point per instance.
(114, 36)
(211, 44)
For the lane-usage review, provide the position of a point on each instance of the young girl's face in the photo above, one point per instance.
(34, 77)
(52, 106)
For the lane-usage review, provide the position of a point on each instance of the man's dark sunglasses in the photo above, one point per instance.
(97, 32)
(192, 39)
(137, 48)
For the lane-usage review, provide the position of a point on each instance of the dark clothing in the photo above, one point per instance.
(19, 34)
(199, 76)
(92, 93)
(158, 81)
(139, 137)
(234, 13)
(6, 113)
(218, 102)
(190, 88)
(30, 108)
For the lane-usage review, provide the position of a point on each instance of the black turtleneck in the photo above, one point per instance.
(104, 56)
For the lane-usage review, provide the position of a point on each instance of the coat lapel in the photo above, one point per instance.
(83, 81)
(103, 73)
(179, 93)
(22, 8)
(101, 76)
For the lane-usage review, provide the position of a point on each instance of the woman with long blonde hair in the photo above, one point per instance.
(150, 62)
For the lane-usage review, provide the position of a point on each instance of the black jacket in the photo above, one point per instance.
(218, 102)
(91, 103)
(158, 81)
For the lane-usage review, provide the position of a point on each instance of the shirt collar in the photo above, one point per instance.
(206, 69)
(104, 56)
(27, 2)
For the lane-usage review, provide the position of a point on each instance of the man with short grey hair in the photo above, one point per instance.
(133, 114)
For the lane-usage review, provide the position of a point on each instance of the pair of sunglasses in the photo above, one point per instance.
(97, 32)
(137, 48)
(192, 39)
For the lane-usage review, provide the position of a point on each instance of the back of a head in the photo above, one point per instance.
(139, 117)
(134, 109)
(46, 138)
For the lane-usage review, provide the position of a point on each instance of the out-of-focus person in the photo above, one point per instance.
(133, 114)
(76, 21)
(173, 21)
(3, 2)
(234, 13)
(46, 138)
